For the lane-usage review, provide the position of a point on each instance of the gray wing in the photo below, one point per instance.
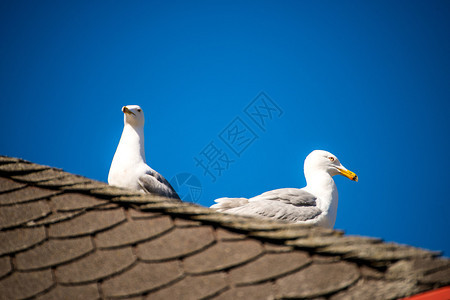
(293, 205)
(154, 183)
(297, 197)
(224, 204)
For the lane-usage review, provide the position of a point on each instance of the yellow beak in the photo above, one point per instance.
(127, 111)
(349, 174)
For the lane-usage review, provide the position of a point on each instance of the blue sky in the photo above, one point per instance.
(368, 82)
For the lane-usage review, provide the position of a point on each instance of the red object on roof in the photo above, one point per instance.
(439, 294)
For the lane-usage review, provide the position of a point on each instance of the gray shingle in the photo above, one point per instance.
(385, 252)
(20, 168)
(84, 292)
(7, 160)
(7, 185)
(133, 231)
(70, 202)
(226, 235)
(27, 194)
(177, 243)
(84, 187)
(371, 273)
(140, 199)
(160, 206)
(53, 252)
(269, 266)
(142, 278)
(96, 266)
(416, 268)
(222, 255)
(39, 176)
(188, 209)
(88, 223)
(192, 288)
(107, 190)
(12, 241)
(285, 234)
(11, 216)
(54, 217)
(68, 180)
(25, 285)
(269, 247)
(137, 214)
(254, 292)
(5, 266)
(332, 243)
(442, 276)
(378, 290)
(317, 280)
(186, 223)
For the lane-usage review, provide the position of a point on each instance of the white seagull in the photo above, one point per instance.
(128, 167)
(314, 204)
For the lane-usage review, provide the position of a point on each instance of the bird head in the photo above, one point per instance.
(324, 160)
(133, 115)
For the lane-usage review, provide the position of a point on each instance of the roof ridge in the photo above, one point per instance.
(369, 251)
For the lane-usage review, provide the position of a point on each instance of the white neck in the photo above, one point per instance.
(321, 184)
(132, 143)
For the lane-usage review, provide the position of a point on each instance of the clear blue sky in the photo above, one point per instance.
(369, 82)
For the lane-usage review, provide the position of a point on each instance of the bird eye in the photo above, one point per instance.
(331, 158)
(139, 110)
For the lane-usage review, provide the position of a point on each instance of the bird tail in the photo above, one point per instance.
(224, 204)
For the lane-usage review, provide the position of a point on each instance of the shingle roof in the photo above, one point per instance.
(66, 236)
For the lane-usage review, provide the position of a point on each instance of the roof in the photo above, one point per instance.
(64, 235)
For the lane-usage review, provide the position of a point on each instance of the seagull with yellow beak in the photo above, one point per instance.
(128, 167)
(314, 204)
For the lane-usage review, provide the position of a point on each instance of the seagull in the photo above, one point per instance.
(314, 204)
(128, 167)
